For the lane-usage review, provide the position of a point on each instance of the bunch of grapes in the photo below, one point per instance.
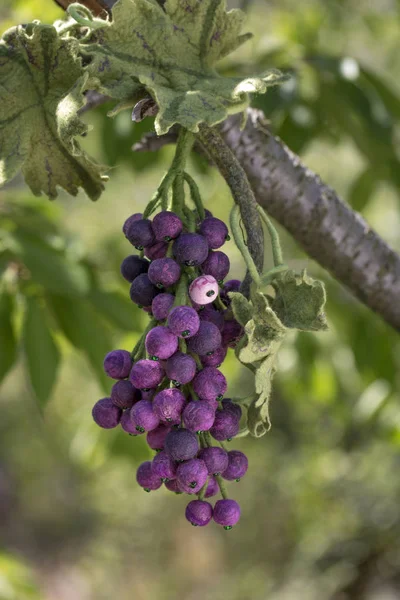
(170, 387)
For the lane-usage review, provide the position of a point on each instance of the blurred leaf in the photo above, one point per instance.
(85, 330)
(117, 309)
(8, 343)
(363, 189)
(388, 96)
(41, 352)
(49, 267)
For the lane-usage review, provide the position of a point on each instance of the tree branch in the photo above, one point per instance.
(337, 237)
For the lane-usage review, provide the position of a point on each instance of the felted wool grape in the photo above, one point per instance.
(190, 249)
(161, 343)
(142, 291)
(215, 231)
(157, 250)
(216, 459)
(180, 368)
(164, 467)
(204, 289)
(144, 417)
(233, 285)
(184, 321)
(117, 364)
(226, 513)
(166, 226)
(226, 425)
(168, 405)
(106, 414)
(215, 359)
(164, 272)
(123, 394)
(161, 306)
(192, 475)
(210, 384)
(127, 424)
(146, 478)
(216, 264)
(198, 416)
(140, 233)
(156, 437)
(237, 466)
(210, 314)
(129, 221)
(207, 339)
(146, 374)
(132, 266)
(199, 513)
(181, 444)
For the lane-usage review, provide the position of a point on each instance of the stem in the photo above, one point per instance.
(178, 195)
(221, 486)
(272, 273)
(203, 490)
(243, 195)
(138, 349)
(240, 243)
(274, 235)
(195, 195)
(84, 17)
(181, 291)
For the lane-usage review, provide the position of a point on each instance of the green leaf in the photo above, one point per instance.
(117, 309)
(41, 352)
(258, 421)
(42, 90)
(242, 309)
(85, 330)
(171, 51)
(300, 301)
(49, 267)
(8, 343)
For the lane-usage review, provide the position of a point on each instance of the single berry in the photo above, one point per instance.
(184, 321)
(237, 465)
(168, 405)
(216, 264)
(117, 364)
(161, 343)
(123, 394)
(140, 233)
(226, 513)
(203, 290)
(198, 416)
(212, 488)
(233, 285)
(127, 424)
(161, 306)
(181, 444)
(215, 359)
(146, 374)
(142, 291)
(232, 407)
(166, 226)
(105, 414)
(156, 437)
(207, 339)
(146, 478)
(199, 513)
(210, 314)
(132, 266)
(180, 368)
(164, 272)
(226, 425)
(231, 333)
(215, 231)
(144, 417)
(190, 249)
(192, 475)
(216, 459)
(163, 466)
(173, 486)
(210, 384)
(129, 221)
(158, 250)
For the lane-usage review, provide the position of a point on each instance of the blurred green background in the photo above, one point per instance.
(321, 500)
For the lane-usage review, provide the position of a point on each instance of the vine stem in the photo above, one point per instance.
(234, 175)
(240, 243)
(138, 349)
(275, 241)
(84, 17)
(195, 195)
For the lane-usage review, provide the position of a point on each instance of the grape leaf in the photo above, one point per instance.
(171, 51)
(42, 83)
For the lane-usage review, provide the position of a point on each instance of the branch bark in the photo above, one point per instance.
(337, 237)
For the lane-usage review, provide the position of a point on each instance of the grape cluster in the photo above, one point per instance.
(170, 387)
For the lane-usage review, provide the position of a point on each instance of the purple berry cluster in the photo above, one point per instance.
(170, 387)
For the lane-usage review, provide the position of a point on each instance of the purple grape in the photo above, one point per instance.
(146, 478)
(127, 424)
(167, 226)
(158, 250)
(198, 416)
(203, 290)
(231, 333)
(180, 368)
(216, 264)
(212, 488)
(173, 486)
(210, 384)
(226, 425)
(168, 405)
(142, 291)
(207, 339)
(105, 414)
(181, 444)
(184, 321)
(233, 285)
(156, 437)
(132, 266)
(146, 374)
(207, 213)
(117, 364)
(215, 359)
(199, 513)
(129, 221)
(232, 407)
(226, 513)
(190, 249)
(192, 475)
(147, 394)
(164, 272)
(161, 343)
(212, 316)
(216, 459)
(237, 466)
(215, 231)
(164, 467)
(143, 416)
(140, 233)
(161, 306)
(123, 394)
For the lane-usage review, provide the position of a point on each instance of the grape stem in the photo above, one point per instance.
(235, 217)
(84, 17)
(138, 349)
(275, 241)
(195, 195)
